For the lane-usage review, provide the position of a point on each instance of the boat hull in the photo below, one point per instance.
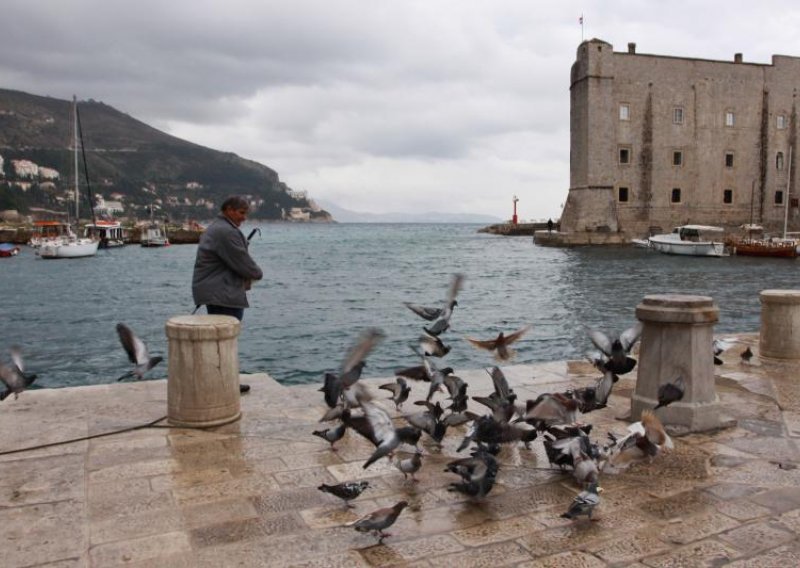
(765, 249)
(688, 248)
(68, 250)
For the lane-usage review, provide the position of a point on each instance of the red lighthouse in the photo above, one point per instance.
(514, 218)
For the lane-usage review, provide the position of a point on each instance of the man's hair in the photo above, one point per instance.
(235, 202)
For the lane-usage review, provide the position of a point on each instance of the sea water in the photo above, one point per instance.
(325, 284)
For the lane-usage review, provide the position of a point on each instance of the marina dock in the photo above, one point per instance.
(245, 494)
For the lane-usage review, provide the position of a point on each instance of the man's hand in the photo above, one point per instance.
(248, 284)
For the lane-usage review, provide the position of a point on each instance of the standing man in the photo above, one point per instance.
(223, 269)
(549, 225)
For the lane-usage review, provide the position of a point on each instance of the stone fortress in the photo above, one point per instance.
(659, 141)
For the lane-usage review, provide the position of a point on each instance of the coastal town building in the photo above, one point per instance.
(25, 169)
(658, 141)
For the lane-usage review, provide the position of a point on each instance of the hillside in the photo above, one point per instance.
(129, 162)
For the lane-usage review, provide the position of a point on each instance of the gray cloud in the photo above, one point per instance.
(455, 104)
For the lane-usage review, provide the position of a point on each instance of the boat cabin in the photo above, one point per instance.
(109, 233)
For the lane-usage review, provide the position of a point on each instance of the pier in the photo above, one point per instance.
(245, 494)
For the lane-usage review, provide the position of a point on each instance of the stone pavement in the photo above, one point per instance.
(245, 494)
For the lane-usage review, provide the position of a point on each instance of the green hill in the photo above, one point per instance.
(128, 157)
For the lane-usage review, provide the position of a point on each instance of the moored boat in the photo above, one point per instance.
(8, 250)
(110, 233)
(689, 240)
(153, 235)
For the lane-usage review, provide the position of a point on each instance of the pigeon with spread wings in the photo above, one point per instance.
(13, 375)
(137, 353)
(500, 343)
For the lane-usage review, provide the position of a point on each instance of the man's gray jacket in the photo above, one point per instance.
(223, 266)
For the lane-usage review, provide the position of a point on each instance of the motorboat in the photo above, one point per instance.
(8, 250)
(110, 233)
(689, 240)
(154, 235)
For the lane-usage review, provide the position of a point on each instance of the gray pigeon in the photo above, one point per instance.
(616, 348)
(432, 346)
(670, 392)
(410, 466)
(13, 375)
(376, 521)
(137, 353)
(385, 435)
(442, 322)
(332, 435)
(584, 503)
(400, 391)
(335, 386)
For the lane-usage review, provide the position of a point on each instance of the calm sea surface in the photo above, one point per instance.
(325, 283)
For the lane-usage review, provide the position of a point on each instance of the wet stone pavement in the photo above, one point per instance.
(245, 494)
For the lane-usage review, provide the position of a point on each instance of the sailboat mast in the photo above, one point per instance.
(788, 186)
(75, 153)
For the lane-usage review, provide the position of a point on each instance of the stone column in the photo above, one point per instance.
(677, 340)
(203, 383)
(780, 324)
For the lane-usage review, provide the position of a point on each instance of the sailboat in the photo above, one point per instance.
(69, 245)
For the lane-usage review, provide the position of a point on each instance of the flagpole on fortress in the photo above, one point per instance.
(580, 21)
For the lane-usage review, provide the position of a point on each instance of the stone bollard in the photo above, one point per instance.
(779, 336)
(677, 340)
(203, 383)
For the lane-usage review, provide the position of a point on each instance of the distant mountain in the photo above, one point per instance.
(127, 157)
(347, 216)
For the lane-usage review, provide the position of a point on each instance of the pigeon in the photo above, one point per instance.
(670, 392)
(432, 346)
(335, 386)
(400, 391)
(720, 346)
(13, 375)
(585, 469)
(442, 321)
(487, 430)
(332, 435)
(616, 349)
(584, 503)
(549, 409)
(345, 491)
(645, 440)
(376, 521)
(429, 421)
(602, 388)
(385, 436)
(457, 389)
(747, 354)
(566, 447)
(426, 372)
(137, 353)
(410, 466)
(478, 474)
(501, 401)
(424, 312)
(500, 343)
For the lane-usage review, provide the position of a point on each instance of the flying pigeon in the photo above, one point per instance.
(720, 346)
(385, 435)
(584, 503)
(549, 409)
(376, 521)
(500, 343)
(645, 440)
(429, 421)
(442, 322)
(670, 392)
(345, 491)
(478, 473)
(616, 349)
(433, 346)
(137, 353)
(399, 389)
(335, 386)
(13, 375)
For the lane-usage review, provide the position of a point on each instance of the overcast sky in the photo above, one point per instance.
(374, 105)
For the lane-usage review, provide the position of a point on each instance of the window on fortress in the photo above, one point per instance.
(624, 112)
(781, 121)
(778, 197)
(676, 195)
(779, 161)
(677, 158)
(677, 115)
(728, 159)
(623, 194)
(624, 155)
(727, 196)
(729, 118)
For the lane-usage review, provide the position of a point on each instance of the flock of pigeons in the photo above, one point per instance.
(551, 417)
